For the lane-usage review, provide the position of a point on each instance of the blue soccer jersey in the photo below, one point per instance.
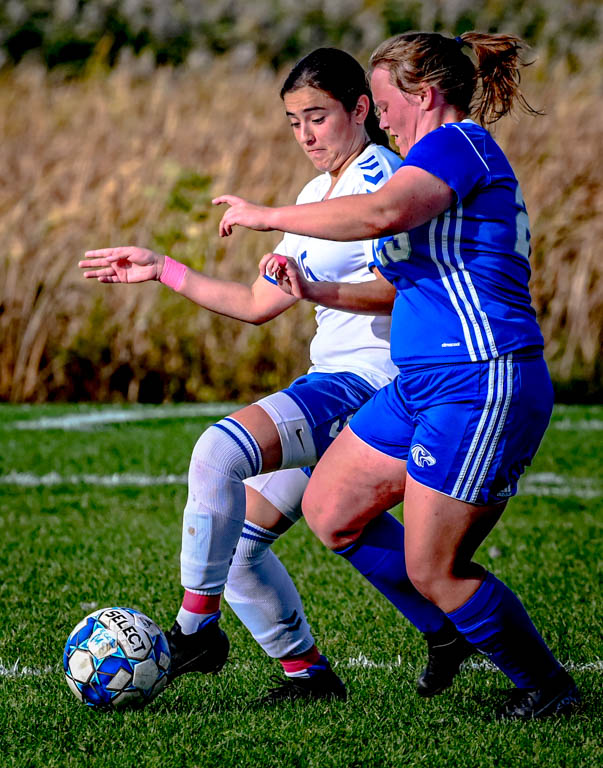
(462, 278)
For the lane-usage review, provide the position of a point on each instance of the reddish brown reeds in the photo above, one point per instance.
(120, 159)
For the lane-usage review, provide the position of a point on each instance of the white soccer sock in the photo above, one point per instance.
(262, 594)
(190, 622)
(225, 454)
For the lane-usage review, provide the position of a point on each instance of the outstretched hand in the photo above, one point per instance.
(127, 264)
(286, 272)
(242, 213)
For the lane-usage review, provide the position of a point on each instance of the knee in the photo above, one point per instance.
(425, 578)
(202, 452)
(322, 516)
(227, 448)
(323, 530)
(210, 449)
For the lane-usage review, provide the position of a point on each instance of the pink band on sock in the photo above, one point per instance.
(200, 603)
(172, 273)
(300, 662)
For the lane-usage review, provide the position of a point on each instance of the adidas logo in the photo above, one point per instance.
(505, 492)
(421, 456)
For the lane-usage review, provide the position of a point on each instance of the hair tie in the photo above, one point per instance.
(460, 41)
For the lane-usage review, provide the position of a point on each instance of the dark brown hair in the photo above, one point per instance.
(337, 73)
(487, 90)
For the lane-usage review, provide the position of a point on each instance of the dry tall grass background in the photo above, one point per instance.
(116, 159)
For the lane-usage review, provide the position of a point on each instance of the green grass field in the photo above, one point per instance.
(81, 527)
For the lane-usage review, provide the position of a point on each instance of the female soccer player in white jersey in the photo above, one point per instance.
(455, 430)
(328, 104)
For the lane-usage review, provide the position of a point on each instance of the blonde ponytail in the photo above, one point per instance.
(487, 91)
(499, 60)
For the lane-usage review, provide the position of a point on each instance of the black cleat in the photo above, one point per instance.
(206, 650)
(447, 650)
(322, 684)
(558, 697)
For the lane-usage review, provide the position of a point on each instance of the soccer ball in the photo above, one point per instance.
(116, 657)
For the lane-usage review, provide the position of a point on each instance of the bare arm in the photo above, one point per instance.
(374, 297)
(410, 198)
(253, 304)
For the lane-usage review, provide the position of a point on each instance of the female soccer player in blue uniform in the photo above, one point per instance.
(455, 430)
(328, 104)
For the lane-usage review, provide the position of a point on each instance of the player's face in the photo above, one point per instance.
(324, 130)
(399, 112)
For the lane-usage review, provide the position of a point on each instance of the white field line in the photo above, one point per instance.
(584, 425)
(84, 421)
(16, 670)
(362, 661)
(88, 420)
(535, 483)
(552, 484)
(29, 480)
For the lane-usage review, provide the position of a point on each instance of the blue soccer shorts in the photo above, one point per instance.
(308, 415)
(328, 401)
(467, 430)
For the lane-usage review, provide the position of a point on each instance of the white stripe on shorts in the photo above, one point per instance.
(478, 432)
(487, 434)
(494, 444)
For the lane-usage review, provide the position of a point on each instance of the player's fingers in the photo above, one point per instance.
(228, 199)
(225, 228)
(109, 279)
(277, 270)
(106, 253)
(106, 256)
(84, 263)
(126, 252)
(98, 253)
(290, 269)
(264, 261)
(108, 271)
(274, 264)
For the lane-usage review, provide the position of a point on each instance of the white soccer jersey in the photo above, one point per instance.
(344, 341)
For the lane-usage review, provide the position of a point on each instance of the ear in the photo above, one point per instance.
(361, 109)
(428, 96)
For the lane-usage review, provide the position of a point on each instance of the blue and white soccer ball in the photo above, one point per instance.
(116, 657)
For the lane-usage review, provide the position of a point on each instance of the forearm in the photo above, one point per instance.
(231, 299)
(410, 198)
(375, 297)
(349, 218)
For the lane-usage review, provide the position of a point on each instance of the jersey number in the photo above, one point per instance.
(522, 226)
(392, 249)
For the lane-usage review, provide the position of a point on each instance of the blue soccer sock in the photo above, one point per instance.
(495, 621)
(379, 556)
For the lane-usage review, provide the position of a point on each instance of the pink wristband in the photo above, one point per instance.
(172, 273)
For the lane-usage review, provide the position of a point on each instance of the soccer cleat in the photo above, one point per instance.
(322, 683)
(205, 650)
(558, 697)
(447, 649)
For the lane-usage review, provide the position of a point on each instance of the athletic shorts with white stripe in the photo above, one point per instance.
(467, 430)
(308, 415)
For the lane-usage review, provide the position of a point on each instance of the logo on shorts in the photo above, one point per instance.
(505, 492)
(421, 456)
